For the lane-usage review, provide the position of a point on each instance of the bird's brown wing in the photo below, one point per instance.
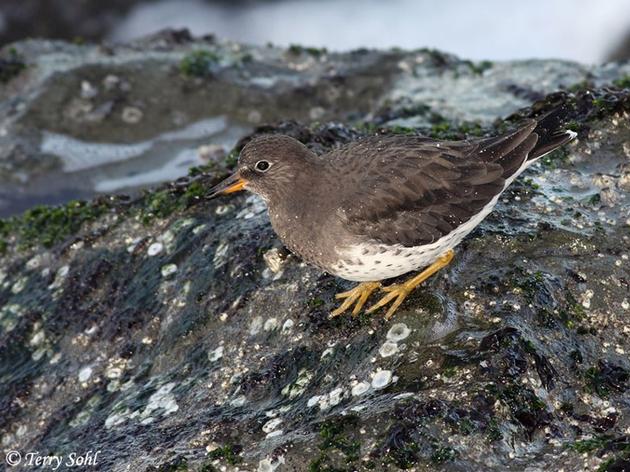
(412, 190)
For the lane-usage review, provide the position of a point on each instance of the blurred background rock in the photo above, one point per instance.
(582, 30)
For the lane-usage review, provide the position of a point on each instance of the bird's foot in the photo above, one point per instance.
(358, 296)
(398, 292)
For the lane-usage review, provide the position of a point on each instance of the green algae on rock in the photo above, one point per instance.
(11, 64)
(198, 63)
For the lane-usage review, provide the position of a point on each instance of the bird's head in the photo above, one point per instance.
(268, 166)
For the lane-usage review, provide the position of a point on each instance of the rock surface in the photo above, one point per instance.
(174, 333)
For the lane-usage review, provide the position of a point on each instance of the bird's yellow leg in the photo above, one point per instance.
(358, 295)
(398, 292)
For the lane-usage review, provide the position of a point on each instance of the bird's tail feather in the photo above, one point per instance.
(551, 133)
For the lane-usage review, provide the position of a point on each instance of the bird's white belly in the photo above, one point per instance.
(370, 262)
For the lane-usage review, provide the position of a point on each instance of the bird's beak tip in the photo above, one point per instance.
(233, 183)
(235, 187)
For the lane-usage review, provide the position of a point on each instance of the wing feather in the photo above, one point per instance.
(411, 190)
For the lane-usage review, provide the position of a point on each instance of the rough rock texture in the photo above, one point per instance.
(174, 333)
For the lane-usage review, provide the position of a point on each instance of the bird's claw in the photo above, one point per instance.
(396, 292)
(357, 296)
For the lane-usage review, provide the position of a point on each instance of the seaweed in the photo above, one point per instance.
(198, 63)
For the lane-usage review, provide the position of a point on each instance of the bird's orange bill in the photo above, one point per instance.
(233, 183)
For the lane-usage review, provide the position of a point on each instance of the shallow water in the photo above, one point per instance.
(90, 168)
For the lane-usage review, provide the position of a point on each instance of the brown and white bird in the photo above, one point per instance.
(384, 206)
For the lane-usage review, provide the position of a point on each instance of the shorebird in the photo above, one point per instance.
(385, 205)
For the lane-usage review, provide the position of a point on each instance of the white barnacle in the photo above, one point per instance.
(255, 326)
(271, 425)
(269, 465)
(155, 249)
(586, 297)
(85, 374)
(273, 259)
(336, 395)
(199, 228)
(381, 379)
(216, 354)
(360, 389)
(168, 269)
(398, 332)
(313, 401)
(163, 399)
(62, 273)
(19, 285)
(220, 254)
(288, 326)
(167, 236)
(298, 387)
(388, 349)
(34, 262)
(238, 401)
(271, 324)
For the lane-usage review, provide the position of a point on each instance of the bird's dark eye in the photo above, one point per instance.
(263, 166)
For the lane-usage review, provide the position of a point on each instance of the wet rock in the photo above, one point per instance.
(169, 331)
